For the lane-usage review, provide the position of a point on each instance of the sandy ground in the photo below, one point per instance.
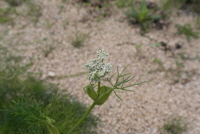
(175, 87)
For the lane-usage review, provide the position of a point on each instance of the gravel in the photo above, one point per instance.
(173, 91)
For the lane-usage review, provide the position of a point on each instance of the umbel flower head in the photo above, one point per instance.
(97, 70)
(97, 67)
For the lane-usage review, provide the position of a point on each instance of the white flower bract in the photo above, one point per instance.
(97, 67)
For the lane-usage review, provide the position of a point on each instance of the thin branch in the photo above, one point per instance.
(117, 95)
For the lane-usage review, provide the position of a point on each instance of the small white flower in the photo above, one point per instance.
(97, 67)
(93, 76)
(102, 54)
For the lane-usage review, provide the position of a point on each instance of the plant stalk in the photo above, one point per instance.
(84, 116)
(99, 85)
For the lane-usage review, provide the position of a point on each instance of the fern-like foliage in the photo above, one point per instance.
(31, 106)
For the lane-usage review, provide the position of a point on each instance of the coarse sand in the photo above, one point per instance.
(174, 90)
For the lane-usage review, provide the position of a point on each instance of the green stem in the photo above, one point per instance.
(84, 116)
(99, 85)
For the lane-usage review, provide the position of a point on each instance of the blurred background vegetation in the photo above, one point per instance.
(29, 105)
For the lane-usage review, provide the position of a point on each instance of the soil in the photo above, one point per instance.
(168, 60)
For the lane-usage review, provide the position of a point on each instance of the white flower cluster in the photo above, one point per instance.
(97, 67)
(102, 54)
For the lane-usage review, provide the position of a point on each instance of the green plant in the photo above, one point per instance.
(174, 126)
(61, 8)
(187, 31)
(49, 25)
(64, 0)
(139, 50)
(168, 5)
(97, 91)
(139, 47)
(79, 40)
(34, 11)
(27, 115)
(6, 14)
(31, 106)
(65, 23)
(123, 3)
(155, 45)
(103, 13)
(48, 49)
(193, 5)
(198, 23)
(158, 61)
(183, 56)
(16, 2)
(142, 16)
(196, 6)
(179, 64)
